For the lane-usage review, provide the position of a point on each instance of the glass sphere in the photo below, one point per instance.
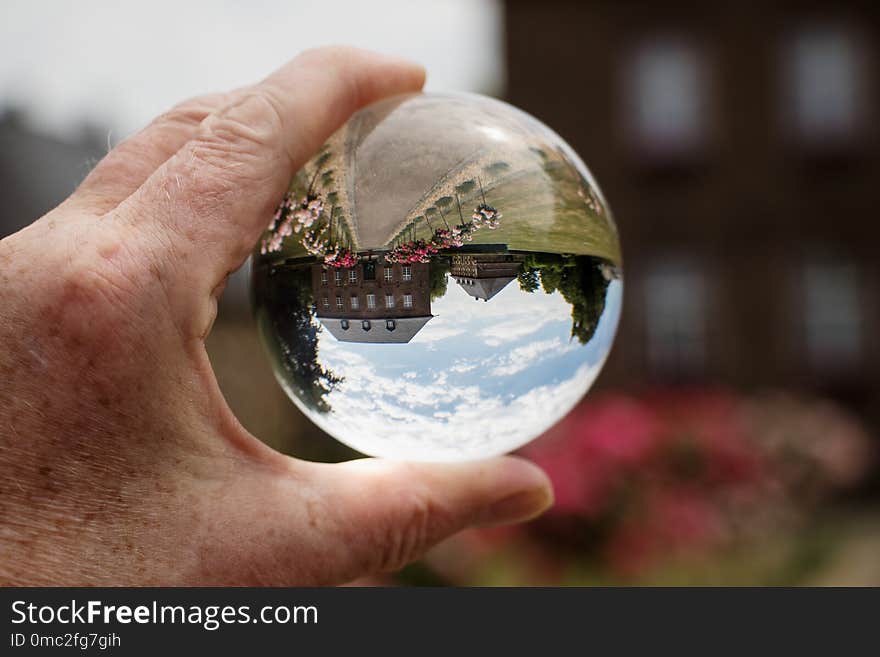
(441, 282)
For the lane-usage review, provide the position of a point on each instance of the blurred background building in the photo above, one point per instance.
(738, 149)
(731, 437)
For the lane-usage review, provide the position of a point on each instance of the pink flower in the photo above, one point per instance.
(286, 220)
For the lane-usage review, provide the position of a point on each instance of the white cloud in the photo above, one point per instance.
(436, 330)
(510, 316)
(362, 377)
(515, 329)
(520, 358)
(461, 366)
(483, 427)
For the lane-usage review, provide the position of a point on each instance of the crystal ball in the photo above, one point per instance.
(441, 282)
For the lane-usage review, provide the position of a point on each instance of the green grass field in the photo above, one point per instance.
(542, 211)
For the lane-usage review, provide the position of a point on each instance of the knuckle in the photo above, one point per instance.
(207, 178)
(186, 115)
(89, 308)
(194, 110)
(99, 279)
(251, 123)
(109, 301)
(237, 145)
(410, 532)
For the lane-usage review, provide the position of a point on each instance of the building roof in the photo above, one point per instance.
(405, 329)
(483, 288)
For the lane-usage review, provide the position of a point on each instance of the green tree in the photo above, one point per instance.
(585, 289)
(445, 202)
(497, 168)
(529, 279)
(323, 159)
(288, 304)
(438, 276)
(578, 279)
(466, 187)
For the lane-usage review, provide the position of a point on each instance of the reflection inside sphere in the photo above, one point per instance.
(441, 282)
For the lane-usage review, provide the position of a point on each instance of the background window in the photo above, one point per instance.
(355, 303)
(407, 272)
(666, 96)
(389, 301)
(324, 277)
(339, 303)
(407, 301)
(388, 274)
(675, 306)
(371, 301)
(352, 276)
(337, 276)
(824, 78)
(832, 315)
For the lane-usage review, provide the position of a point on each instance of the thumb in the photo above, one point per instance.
(386, 514)
(291, 522)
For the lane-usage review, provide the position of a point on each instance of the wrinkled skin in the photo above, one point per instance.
(120, 462)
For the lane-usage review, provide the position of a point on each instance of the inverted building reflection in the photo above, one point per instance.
(484, 275)
(376, 301)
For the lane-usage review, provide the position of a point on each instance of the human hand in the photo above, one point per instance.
(120, 461)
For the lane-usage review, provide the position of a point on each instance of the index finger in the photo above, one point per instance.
(213, 198)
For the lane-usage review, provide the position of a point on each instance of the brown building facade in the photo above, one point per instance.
(375, 301)
(737, 147)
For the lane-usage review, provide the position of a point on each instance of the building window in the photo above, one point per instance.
(390, 324)
(326, 302)
(371, 301)
(337, 276)
(825, 80)
(355, 303)
(344, 324)
(406, 270)
(407, 301)
(352, 276)
(389, 274)
(339, 305)
(370, 270)
(389, 301)
(366, 325)
(832, 315)
(675, 307)
(666, 97)
(323, 277)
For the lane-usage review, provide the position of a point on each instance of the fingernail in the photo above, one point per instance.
(518, 507)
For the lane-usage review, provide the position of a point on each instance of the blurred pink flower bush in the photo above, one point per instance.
(640, 481)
